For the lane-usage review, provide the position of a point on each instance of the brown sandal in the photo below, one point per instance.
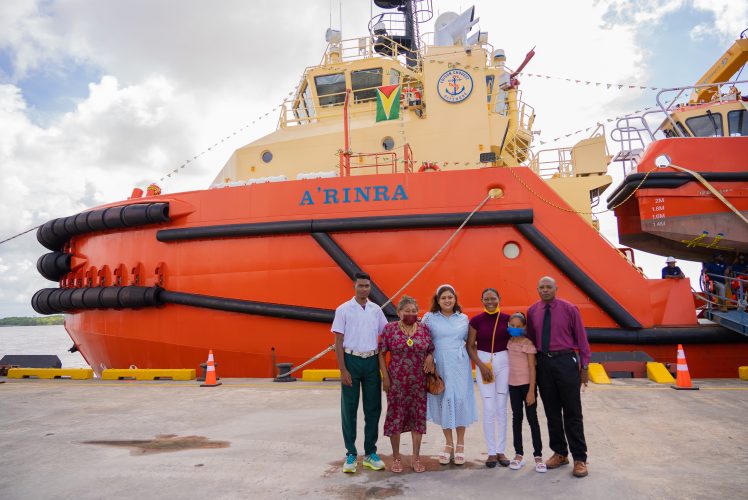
(397, 465)
(417, 465)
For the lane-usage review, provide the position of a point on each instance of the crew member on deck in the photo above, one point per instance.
(356, 326)
(671, 271)
(555, 326)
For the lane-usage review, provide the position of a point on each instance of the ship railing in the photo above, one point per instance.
(427, 40)
(387, 161)
(552, 163)
(736, 285)
(361, 106)
(363, 47)
(668, 107)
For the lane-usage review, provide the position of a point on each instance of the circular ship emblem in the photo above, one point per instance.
(455, 85)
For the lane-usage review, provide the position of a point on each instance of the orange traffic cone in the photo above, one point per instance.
(210, 372)
(683, 379)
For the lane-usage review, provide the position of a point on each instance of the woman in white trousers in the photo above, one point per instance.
(486, 345)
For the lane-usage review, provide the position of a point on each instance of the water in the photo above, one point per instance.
(51, 339)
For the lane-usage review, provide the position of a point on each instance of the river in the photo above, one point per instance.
(51, 339)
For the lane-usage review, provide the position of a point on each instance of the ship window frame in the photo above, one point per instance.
(364, 90)
(331, 96)
(304, 105)
(394, 77)
(703, 123)
(743, 121)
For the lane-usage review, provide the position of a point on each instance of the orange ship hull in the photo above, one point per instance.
(672, 213)
(255, 272)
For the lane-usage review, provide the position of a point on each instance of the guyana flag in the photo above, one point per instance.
(388, 103)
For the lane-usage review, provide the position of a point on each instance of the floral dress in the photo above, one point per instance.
(406, 399)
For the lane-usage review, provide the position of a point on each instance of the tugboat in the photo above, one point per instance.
(394, 143)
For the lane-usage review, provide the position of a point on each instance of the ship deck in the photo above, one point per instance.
(159, 440)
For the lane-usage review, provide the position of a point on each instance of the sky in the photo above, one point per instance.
(97, 97)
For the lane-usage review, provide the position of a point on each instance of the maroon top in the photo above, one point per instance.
(567, 330)
(483, 324)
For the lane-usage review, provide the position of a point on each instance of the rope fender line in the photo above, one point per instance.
(331, 347)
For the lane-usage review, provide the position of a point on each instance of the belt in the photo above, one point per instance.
(365, 354)
(553, 354)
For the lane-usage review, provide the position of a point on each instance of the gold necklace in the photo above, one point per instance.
(410, 334)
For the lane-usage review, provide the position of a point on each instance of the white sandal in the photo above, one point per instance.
(540, 465)
(460, 455)
(517, 464)
(445, 457)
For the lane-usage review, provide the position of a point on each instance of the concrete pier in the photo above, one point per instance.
(255, 439)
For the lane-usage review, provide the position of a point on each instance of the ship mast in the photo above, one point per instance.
(397, 33)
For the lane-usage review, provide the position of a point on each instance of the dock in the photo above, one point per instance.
(251, 438)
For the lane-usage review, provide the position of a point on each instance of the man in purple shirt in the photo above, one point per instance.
(555, 327)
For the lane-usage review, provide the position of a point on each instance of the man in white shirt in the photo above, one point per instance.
(357, 325)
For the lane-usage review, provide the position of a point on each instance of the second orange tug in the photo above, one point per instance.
(253, 267)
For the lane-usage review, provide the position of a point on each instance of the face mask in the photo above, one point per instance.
(515, 331)
(496, 311)
(410, 319)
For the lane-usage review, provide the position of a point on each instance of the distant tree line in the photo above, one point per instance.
(57, 319)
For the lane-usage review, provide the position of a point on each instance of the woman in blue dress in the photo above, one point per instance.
(455, 407)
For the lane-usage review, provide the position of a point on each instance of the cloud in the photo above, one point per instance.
(181, 84)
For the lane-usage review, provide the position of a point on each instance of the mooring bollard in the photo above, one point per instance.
(283, 369)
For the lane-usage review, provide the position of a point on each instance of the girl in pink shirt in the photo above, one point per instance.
(523, 391)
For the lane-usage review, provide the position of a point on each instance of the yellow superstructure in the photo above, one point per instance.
(487, 125)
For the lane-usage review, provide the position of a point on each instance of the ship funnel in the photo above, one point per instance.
(452, 29)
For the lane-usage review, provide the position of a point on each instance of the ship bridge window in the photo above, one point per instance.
(394, 76)
(708, 125)
(364, 84)
(330, 89)
(304, 107)
(669, 132)
(738, 122)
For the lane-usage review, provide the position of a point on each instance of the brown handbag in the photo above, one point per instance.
(434, 383)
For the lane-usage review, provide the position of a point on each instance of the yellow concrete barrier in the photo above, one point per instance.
(597, 373)
(743, 372)
(148, 374)
(71, 373)
(656, 372)
(319, 375)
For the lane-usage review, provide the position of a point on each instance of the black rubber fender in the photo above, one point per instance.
(91, 297)
(54, 302)
(47, 238)
(58, 228)
(95, 221)
(39, 301)
(110, 297)
(65, 299)
(133, 297)
(76, 298)
(135, 215)
(69, 225)
(54, 265)
(81, 222)
(113, 218)
(157, 212)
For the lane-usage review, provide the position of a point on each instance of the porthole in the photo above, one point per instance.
(267, 156)
(511, 250)
(388, 143)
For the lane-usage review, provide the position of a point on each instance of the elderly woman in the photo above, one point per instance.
(453, 409)
(404, 379)
(487, 347)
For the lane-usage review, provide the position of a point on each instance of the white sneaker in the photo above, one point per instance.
(517, 464)
(350, 463)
